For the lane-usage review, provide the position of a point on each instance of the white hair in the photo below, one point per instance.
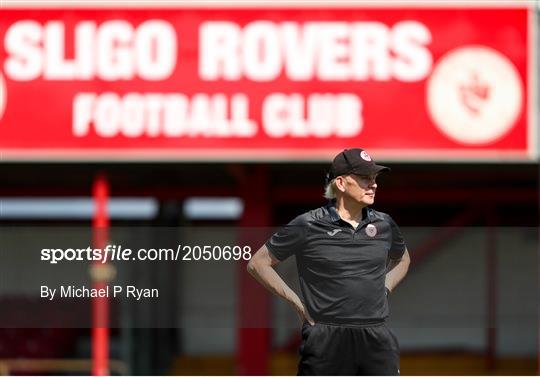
(330, 190)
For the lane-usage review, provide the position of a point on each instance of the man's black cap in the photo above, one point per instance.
(354, 161)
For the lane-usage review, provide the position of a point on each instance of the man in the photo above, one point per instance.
(349, 258)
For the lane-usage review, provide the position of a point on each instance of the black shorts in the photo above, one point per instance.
(348, 350)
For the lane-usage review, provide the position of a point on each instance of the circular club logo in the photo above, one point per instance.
(474, 95)
(3, 95)
(371, 230)
(365, 156)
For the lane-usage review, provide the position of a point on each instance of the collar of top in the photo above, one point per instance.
(334, 215)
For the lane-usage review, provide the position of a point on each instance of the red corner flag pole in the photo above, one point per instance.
(100, 277)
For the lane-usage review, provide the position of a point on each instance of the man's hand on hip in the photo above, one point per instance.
(303, 315)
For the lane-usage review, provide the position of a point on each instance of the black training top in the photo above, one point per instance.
(341, 269)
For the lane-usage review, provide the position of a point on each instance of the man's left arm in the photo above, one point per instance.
(397, 269)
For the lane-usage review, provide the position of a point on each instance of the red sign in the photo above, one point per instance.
(266, 83)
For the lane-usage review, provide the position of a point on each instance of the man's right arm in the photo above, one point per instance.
(261, 268)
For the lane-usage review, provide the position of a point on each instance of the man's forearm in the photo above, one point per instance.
(269, 278)
(397, 272)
